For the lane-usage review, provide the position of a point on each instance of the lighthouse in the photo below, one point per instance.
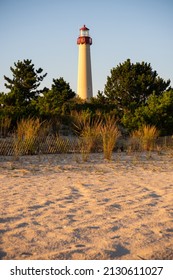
(84, 87)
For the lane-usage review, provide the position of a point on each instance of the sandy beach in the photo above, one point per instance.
(59, 207)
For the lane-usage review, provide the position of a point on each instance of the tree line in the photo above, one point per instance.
(134, 94)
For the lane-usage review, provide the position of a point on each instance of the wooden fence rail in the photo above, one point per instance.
(48, 145)
(52, 145)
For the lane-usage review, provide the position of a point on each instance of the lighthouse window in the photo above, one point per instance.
(84, 33)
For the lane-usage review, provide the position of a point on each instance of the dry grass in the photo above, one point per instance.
(80, 120)
(88, 130)
(110, 133)
(94, 132)
(26, 136)
(144, 138)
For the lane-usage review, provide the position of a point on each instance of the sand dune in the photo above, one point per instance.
(58, 207)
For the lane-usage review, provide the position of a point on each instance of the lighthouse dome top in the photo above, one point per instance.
(84, 28)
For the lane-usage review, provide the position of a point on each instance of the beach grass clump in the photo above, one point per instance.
(110, 133)
(80, 120)
(87, 129)
(26, 136)
(145, 137)
(90, 138)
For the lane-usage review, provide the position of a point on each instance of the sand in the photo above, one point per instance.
(58, 207)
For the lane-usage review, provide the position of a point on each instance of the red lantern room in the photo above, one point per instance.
(84, 37)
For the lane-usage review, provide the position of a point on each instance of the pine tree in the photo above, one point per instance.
(24, 89)
(26, 80)
(53, 101)
(130, 85)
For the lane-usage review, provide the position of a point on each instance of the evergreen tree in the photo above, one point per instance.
(53, 101)
(130, 85)
(24, 88)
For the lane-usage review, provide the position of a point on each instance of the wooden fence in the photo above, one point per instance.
(52, 145)
(48, 145)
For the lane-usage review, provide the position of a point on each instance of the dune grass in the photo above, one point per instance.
(26, 136)
(144, 138)
(110, 133)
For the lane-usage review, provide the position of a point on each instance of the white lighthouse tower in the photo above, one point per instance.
(84, 88)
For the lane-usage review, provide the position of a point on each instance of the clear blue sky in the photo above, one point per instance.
(46, 32)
